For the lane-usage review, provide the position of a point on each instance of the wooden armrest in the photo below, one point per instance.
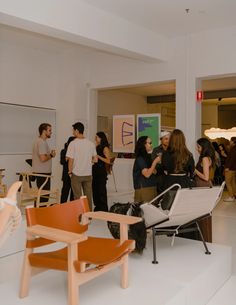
(56, 234)
(32, 174)
(107, 216)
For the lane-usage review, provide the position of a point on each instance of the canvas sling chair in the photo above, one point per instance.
(188, 208)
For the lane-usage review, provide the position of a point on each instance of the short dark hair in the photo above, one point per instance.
(43, 126)
(79, 126)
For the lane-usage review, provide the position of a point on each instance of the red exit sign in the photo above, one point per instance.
(199, 96)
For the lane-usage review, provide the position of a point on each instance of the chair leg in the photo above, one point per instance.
(25, 275)
(203, 240)
(154, 247)
(73, 291)
(124, 273)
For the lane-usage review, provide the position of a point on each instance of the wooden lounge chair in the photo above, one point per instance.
(189, 207)
(30, 194)
(84, 258)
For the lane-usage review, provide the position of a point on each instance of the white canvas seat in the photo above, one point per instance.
(188, 208)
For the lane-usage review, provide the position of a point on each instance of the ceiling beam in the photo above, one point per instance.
(207, 95)
(219, 94)
(161, 99)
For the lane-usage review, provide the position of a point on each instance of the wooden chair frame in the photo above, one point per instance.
(73, 240)
(32, 195)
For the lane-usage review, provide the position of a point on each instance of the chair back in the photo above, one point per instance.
(190, 204)
(26, 186)
(64, 216)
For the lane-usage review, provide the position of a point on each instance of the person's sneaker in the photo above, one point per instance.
(229, 199)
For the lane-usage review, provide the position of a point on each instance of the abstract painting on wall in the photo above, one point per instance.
(123, 133)
(149, 125)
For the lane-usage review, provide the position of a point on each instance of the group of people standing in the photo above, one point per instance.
(157, 169)
(84, 165)
(85, 172)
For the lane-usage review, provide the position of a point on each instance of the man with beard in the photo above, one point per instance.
(42, 156)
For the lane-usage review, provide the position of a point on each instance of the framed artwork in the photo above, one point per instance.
(123, 133)
(149, 125)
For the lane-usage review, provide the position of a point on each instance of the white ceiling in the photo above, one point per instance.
(169, 17)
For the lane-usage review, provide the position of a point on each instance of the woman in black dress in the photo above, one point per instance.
(99, 172)
(205, 164)
(203, 178)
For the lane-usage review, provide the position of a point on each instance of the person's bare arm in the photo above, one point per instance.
(147, 172)
(46, 157)
(206, 163)
(70, 165)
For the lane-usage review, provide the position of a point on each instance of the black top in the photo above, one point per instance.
(100, 165)
(184, 177)
(139, 180)
(168, 163)
(64, 163)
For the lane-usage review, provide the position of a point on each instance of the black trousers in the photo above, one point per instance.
(47, 186)
(99, 189)
(66, 189)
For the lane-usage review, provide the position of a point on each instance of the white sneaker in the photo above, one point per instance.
(229, 199)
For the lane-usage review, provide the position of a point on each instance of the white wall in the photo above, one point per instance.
(113, 102)
(43, 72)
(209, 116)
(85, 24)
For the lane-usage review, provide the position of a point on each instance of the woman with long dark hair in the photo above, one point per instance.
(99, 172)
(204, 174)
(177, 161)
(144, 178)
(204, 168)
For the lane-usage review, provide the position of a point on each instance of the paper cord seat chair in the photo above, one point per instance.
(84, 257)
(188, 208)
(10, 215)
(30, 194)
